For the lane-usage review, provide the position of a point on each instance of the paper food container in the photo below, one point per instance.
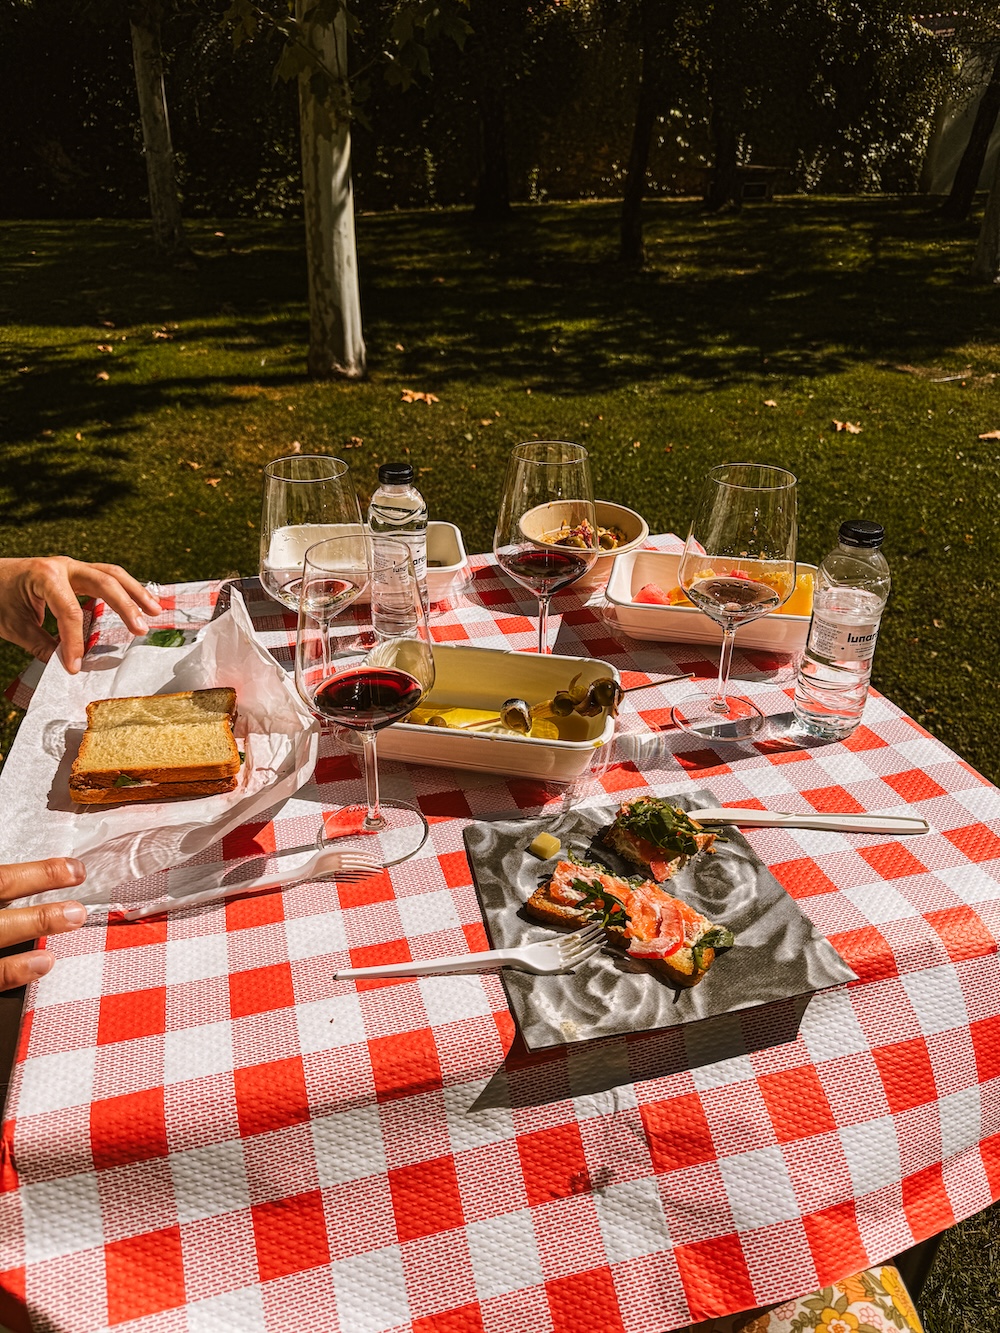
(447, 562)
(541, 522)
(483, 678)
(686, 624)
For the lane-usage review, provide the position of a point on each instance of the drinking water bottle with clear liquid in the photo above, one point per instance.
(398, 513)
(852, 587)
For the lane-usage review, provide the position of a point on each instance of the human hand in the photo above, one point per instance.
(18, 924)
(28, 586)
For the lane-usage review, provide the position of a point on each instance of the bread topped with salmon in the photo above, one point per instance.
(658, 836)
(639, 915)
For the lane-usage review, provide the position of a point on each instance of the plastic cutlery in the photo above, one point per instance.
(558, 955)
(342, 865)
(834, 823)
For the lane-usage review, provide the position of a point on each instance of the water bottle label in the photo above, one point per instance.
(845, 643)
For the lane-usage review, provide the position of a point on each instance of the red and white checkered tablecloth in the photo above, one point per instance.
(206, 1132)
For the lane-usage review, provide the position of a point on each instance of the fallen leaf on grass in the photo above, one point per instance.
(78, 435)
(105, 347)
(103, 375)
(212, 481)
(355, 442)
(990, 435)
(400, 347)
(162, 333)
(486, 421)
(106, 323)
(188, 462)
(295, 447)
(770, 402)
(849, 426)
(413, 396)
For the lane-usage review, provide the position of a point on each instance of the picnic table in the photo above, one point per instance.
(206, 1131)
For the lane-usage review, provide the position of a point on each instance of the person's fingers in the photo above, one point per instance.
(20, 968)
(58, 872)
(29, 635)
(136, 590)
(52, 583)
(18, 924)
(92, 580)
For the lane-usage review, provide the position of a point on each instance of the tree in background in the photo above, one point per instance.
(963, 188)
(145, 18)
(314, 51)
(657, 26)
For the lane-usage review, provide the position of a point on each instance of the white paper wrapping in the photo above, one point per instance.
(276, 732)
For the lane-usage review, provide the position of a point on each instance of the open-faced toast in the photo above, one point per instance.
(660, 837)
(640, 916)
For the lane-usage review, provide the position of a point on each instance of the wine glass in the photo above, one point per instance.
(364, 680)
(306, 497)
(738, 564)
(546, 534)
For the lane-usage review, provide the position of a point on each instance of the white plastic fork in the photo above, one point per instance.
(341, 865)
(551, 956)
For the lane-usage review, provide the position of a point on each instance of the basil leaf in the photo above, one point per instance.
(717, 938)
(165, 638)
(123, 780)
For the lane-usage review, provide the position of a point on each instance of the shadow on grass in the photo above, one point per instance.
(793, 290)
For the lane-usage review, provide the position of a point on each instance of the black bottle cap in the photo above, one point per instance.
(859, 532)
(395, 474)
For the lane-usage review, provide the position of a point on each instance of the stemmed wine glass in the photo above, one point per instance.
(361, 678)
(307, 497)
(546, 534)
(738, 564)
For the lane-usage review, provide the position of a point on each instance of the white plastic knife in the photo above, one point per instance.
(897, 824)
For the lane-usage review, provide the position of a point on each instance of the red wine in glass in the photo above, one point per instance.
(369, 698)
(733, 599)
(544, 572)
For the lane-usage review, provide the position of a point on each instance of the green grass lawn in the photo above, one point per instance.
(831, 309)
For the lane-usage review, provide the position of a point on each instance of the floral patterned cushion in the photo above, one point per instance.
(875, 1301)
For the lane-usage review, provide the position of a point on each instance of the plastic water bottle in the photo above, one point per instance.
(398, 512)
(852, 587)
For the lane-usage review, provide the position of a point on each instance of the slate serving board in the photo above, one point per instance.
(778, 952)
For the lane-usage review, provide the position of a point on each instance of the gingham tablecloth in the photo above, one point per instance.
(206, 1132)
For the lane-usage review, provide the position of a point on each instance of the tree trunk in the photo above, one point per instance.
(631, 249)
(164, 203)
(724, 188)
(492, 201)
(336, 341)
(963, 188)
(986, 265)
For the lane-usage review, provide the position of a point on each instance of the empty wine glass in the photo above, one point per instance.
(546, 535)
(361, 680)
(738, 564)
(306, 497)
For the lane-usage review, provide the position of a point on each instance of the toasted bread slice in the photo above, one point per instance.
(642, 918)
(660, 837)
(171, 740)
(150, 791)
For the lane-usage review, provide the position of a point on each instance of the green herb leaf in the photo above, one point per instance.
(718, 938)
(606, 906)
(165, 638)
(662, 824)
(123, 780)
